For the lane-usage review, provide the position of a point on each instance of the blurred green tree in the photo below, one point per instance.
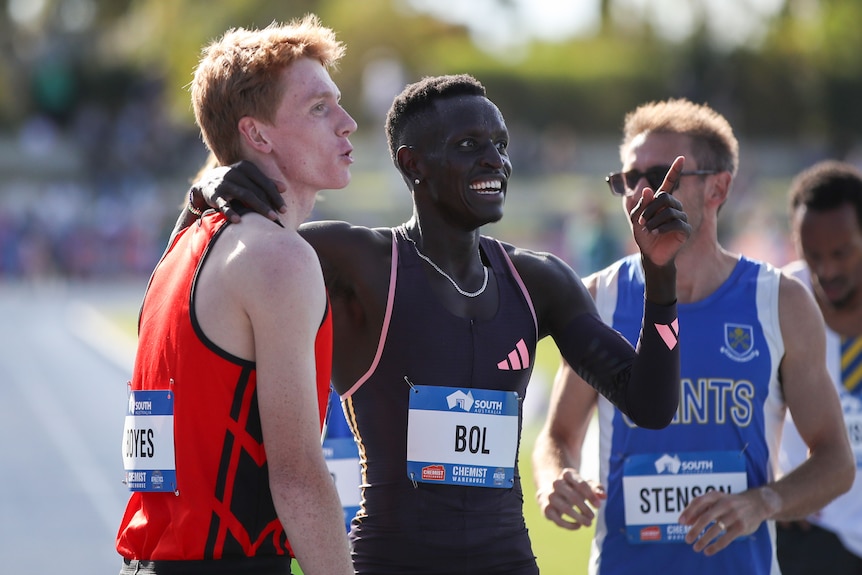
(797, 76)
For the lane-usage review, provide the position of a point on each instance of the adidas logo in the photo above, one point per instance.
(518, 358)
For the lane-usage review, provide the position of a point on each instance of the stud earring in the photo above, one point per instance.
(416, 181)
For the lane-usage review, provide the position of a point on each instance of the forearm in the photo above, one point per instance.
(550, 456)
(184, 220)
(825, 475)
(314, 522)
(643, 384)
(652, 394)
(560, 442)
(189, 213)
(660, 282)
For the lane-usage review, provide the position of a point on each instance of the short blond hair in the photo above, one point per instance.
(713, 143)
(238, 76)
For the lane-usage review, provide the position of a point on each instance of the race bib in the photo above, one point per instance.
(657, 487)
(852, 407)
(462, 437)
(148, 442)
(342, 460)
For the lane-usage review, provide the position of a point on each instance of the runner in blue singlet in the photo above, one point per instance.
(701, 495)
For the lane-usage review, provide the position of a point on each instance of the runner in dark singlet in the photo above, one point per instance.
(435, 331)
(414, 520)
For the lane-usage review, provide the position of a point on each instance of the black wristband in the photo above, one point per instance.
(659, 313)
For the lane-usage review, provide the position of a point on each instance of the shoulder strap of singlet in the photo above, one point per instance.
(387, 316)
(500, 254)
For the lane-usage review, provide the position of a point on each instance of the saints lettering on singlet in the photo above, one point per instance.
(714, 400)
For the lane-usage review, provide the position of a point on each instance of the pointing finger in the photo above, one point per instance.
(672, 176)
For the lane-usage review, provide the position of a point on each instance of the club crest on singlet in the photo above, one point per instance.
(739, 342)
(462, 437)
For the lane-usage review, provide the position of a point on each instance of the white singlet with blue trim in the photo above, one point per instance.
(843, 516)
(724, 436)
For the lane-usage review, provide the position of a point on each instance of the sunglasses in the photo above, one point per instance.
(623, 183)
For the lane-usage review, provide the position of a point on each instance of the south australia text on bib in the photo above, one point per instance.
(463, 436)
(148, 442)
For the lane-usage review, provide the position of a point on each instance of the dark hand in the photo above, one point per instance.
(659, 224)
(242, 182)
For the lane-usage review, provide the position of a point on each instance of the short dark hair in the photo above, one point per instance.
(827, 185)
(409, 107)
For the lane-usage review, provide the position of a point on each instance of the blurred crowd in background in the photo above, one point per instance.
(90, 196)
(97, 146)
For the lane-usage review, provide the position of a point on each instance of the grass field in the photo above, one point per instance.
(559, 551)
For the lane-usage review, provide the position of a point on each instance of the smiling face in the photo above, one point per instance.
(309, 134)
(830, 241)
(464, 159)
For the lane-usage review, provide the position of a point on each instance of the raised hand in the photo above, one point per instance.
(659, 224)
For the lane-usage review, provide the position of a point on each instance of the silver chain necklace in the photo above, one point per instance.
(476, 293)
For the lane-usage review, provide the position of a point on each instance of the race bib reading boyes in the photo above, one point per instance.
(657, 487)
(462, 437)
(148, 442)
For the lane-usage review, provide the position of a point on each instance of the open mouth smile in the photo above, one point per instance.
(487, 187)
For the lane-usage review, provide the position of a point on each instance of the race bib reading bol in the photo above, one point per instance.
(462, 437)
